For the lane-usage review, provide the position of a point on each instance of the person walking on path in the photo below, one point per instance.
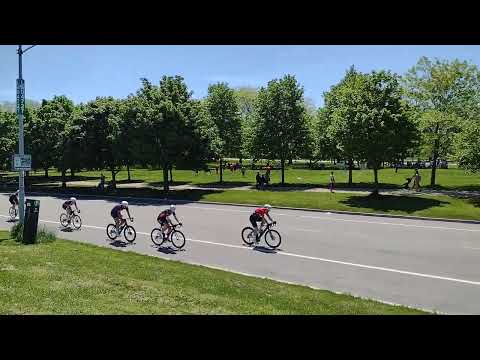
(416, 182)
(258, 179)
(331, 185)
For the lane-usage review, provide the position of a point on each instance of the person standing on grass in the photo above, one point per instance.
(416, 182)
(331, 185)
(243, 170)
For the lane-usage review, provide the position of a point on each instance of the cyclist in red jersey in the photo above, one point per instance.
(164, 219)
(259, 216)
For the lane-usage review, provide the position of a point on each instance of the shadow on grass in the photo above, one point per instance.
(454, 188)
(385, 203)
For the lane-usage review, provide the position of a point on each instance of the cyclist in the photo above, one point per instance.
(67, 205)
(117, 215)
(14, 199)
(164, 220)
(259, 216)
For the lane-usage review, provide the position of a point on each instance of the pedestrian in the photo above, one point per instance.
(263, 181)
(416, 182)
(331, 185)
(258, 179)
(216, 169)
(243, 170)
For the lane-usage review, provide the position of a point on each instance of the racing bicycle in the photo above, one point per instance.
(128, 231)
(176, 237)
(272, 237)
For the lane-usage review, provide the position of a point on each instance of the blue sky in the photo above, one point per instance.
(84, 72)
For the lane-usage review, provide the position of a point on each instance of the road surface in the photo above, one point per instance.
(430, 265)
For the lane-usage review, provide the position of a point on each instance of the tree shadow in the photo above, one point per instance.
(385, 203)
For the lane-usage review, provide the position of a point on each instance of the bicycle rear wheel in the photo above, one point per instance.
(248, 235)
(12, 212)
(77, 222)
(64, 220)
(178, 239)
(157, 236)
(273, 238)
(130, 233)
(112, 231)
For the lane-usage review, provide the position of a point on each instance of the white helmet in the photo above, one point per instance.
(125, 203)
(18, 191)
(173, 207)
(73, 199)
(268, 206)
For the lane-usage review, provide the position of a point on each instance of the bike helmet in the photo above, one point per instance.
(17, 192)
(125, 203)
(73, 199)
(268, 206)
(173, 207)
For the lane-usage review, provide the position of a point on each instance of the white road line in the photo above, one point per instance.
(473, 248)
(370, 267)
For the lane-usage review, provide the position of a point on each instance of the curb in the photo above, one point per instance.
(463, 221)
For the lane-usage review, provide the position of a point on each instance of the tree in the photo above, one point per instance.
(443, 92)
(341, 110)
(102, 141)
(280, 122)
(323, 145)
(171, 125)
(223, 111)
(467, 146)
(8, 137)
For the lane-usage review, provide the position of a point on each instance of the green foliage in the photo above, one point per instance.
(16, 232)
(467, 145)
(8, 137)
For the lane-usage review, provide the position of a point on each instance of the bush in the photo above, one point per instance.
(16, 232)
(43, 235)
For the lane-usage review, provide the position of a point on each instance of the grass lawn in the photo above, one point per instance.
(66, 277)
(452, 179)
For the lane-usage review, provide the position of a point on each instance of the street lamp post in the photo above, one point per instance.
(20, 107)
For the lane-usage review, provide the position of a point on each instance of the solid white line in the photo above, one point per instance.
(316, 259)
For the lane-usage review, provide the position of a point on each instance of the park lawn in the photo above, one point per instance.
(450, 179)
(65, 277)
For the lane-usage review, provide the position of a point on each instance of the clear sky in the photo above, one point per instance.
(84, 72)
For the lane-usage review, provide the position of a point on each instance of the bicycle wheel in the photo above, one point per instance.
(273, 238)
(12, 212)
(112, 231)
(157, 236)
(178, 239)
(248, 235)
(77, 222)
(130, 233)
(64, 220)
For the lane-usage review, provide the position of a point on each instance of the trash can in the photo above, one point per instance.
(30, 223)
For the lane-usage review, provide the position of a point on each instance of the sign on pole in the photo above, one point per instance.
(20, 96)
(22, 162)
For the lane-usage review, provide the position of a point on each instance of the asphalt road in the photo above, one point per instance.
(424, 264)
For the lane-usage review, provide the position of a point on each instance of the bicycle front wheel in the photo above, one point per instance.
(273, 238)
(178, 239)
(248, 235)
(130, 233)
(77, 222)
(64, 220)
(157, 236)
(112, 231)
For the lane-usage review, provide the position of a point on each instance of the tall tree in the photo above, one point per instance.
(443, 92)
(467, 146)
(223, 110)
(324, 146)
(280, 121)
(8, 137)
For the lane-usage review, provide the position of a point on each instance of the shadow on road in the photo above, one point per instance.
(166, 250)
(67, 229)
(118, 243)
(408, 204)
(12, 220)
(263, 249)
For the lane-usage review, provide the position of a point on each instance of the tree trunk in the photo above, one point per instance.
(64, 180)
(171, 174)
(221, 171)
(434, 163)
(72, 174)
(375, 175)
(350, 172)
(282, 161)
(166, 186)
(290, 161)
(128, 172)
(46, 173)
(114, 182)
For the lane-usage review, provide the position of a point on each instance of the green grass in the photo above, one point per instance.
(66, 277)
(451, 179)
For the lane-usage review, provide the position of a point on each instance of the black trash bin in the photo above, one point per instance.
(30, 224)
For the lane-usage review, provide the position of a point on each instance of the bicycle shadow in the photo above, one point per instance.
(118, 243)
(66, 229)
(12, 220)
(166, 250)
(264, 249)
